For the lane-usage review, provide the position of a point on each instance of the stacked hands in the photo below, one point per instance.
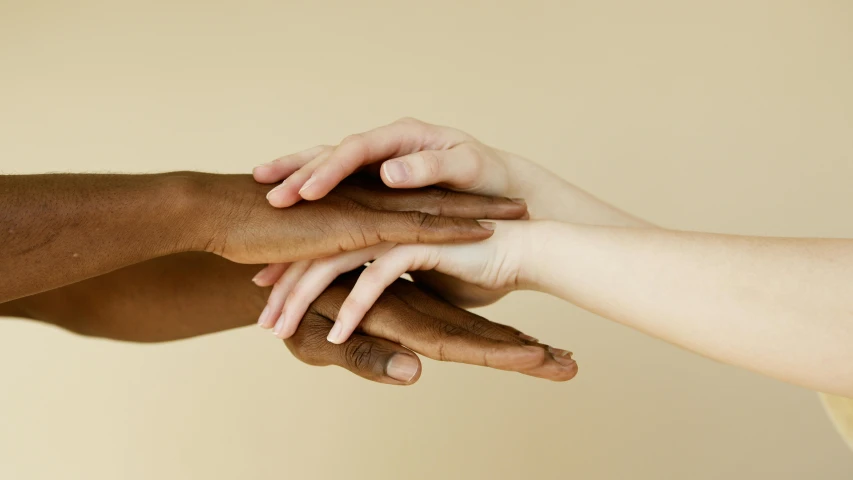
(452, 216)
(406, 154)
(468, 222)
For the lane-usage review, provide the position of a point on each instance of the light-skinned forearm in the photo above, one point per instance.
(780, 307)
(549, 197)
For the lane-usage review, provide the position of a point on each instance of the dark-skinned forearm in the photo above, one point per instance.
(167, 298)
(58, 229)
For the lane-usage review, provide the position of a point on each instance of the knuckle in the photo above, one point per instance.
(475, 164)
(438, 195)
(321, 149)
(353, 138)
(361, 355)
(479, 328)
(431, 163)
(355, 141)
(450, 330)
(409, 121)
(307, 345)
(422, 220)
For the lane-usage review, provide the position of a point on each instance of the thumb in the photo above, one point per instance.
(372, 358)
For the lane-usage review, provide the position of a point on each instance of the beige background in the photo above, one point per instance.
(726, 116)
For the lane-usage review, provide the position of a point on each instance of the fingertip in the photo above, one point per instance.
(258, 174)
(520, 357)
(403, 368)
(287, 330)
(262, 319)
(567, 372)
(346, 322)
(491, 226)
(478, 231)
(337, 335)
(395, 173)
(266, 173)
(262, 279)
(318, 185)
(281, 197)
(278, 327)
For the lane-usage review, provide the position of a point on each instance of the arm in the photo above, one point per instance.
(780, 307)
(777, 306)
(59, 229)
(186, 295)
(550, 197)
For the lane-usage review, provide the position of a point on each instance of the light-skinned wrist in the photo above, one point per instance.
(544, 238)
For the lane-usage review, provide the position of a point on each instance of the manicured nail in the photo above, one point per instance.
(279, 326)
(527, 337)
(274, 190)
(395, 171)
(307, 184)
(262, 319)
(258, 277)
(487, 225)
(402, 367)
(519, 200)
(335, 334)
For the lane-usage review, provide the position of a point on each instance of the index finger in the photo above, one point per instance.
(399, 138)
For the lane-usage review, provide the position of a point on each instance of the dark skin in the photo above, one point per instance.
(190, 294)
(59, 229)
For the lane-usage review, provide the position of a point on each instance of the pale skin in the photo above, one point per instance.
(781, 307)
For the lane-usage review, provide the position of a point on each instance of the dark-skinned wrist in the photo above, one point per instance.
(201, 205)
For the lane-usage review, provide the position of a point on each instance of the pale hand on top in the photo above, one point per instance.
(412, 154)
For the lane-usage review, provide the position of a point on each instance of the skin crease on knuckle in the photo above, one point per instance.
(309, 343)
(472, 177)
(364, 355)
(357, 145)
(432, 164)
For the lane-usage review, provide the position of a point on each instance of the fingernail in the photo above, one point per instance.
(274, 189)
(402, 367)
(519, 200)
(279, 326)
(395, 171)
(563, 357)
(559, 352)
(257, 276)
(335, 334)
(527, 337)
(262, 319)
(308, 183)
(487, 225)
